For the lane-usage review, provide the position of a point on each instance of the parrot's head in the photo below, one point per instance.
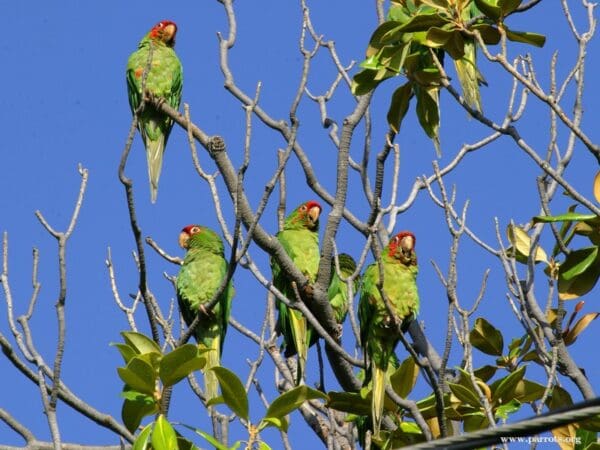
(164, 31)
(304, 216)
(198, 236)
(402, 248)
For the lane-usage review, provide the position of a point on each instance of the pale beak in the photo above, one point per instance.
(169, 32)
(314, 213)
(407, 243)
(183, 239)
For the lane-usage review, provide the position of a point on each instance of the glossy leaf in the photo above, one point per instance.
(140, 342)
(508, 6)
(291, 400)
(527, 391)
(581, 325)
(403, 380)
(485, 373)
(429, 115)
(179, 363)
(503, 411)
(125, 350)
(263, 446)
(559, 398)
(475, 421)
(565, 436)
(163, 435)
(570, 216)
(277, 422)
(375, 43)
(143, 439)
(211, 440)
(350, 402)
(578, 262)
(132, 412)
(486, 338)
(364, 82)
(583, 273)
(489, 34)
(489, 9)
(526, 37)
(423, 22)
(503, 389)
(233, 391)
(139, 376)
(464, 394)
(399, 106)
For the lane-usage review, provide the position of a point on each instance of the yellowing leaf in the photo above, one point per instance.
(521, 241)
(597, 187)
(581, 325)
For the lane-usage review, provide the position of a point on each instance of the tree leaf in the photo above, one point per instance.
(527, 391)
(521, 241)
(489, 9)
(132, 412)
(375, 43)
(143, 439)
(428, 114)
(597, 187)
(277, 422)
(559, 398)
(399, 106)
(140, 342)
(163, 435)
(423, 22)
(485, 373)
(211, 440)
(291, 400)
(263, 446)
(570, 216)
(179, 363)
(489, 33)
(350, 402)
(486, 338)
(577, 262)
(526, 37)
(403, 380)
(504, 388)
(233, 391)
(139, 376)
(583, 282)
(581, 325)
(503, 411)
(565, 436)
(465, 395)
(125, 350)
(364, 82)
(508, 6)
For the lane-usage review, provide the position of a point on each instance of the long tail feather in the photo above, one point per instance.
(155, 149)
(378, 398)
(211, 384)
(299, 331)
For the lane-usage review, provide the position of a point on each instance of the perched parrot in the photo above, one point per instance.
(199, 278)
(338, 290)
(163, 79)
(300, 239)
(378, 334)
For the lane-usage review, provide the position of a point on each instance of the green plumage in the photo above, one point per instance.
(164, 78)
(338, 289)
(379, 336)
(202, 272)
(300, 239)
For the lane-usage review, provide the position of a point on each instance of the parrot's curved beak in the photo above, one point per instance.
(169, 34)
(314, 213)
(407, 243)
(184, 237)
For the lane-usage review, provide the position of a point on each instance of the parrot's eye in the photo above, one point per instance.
(160, 25)
(195, 230)
(303, 208)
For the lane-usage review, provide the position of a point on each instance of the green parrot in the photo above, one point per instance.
(164, 79)
(377, 331)
(199, 278)
(300, 239)
(338, 290)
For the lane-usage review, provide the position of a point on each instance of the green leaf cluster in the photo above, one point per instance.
(147, 372)
(414, 40)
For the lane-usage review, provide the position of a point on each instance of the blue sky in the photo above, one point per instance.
(65, 103)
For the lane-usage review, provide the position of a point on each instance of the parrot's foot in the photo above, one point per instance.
(206, 312)
(338, 332)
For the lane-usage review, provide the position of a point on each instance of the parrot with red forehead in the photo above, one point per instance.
(300, 239)
(378, 332)
(202, 272)
(164, 79)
